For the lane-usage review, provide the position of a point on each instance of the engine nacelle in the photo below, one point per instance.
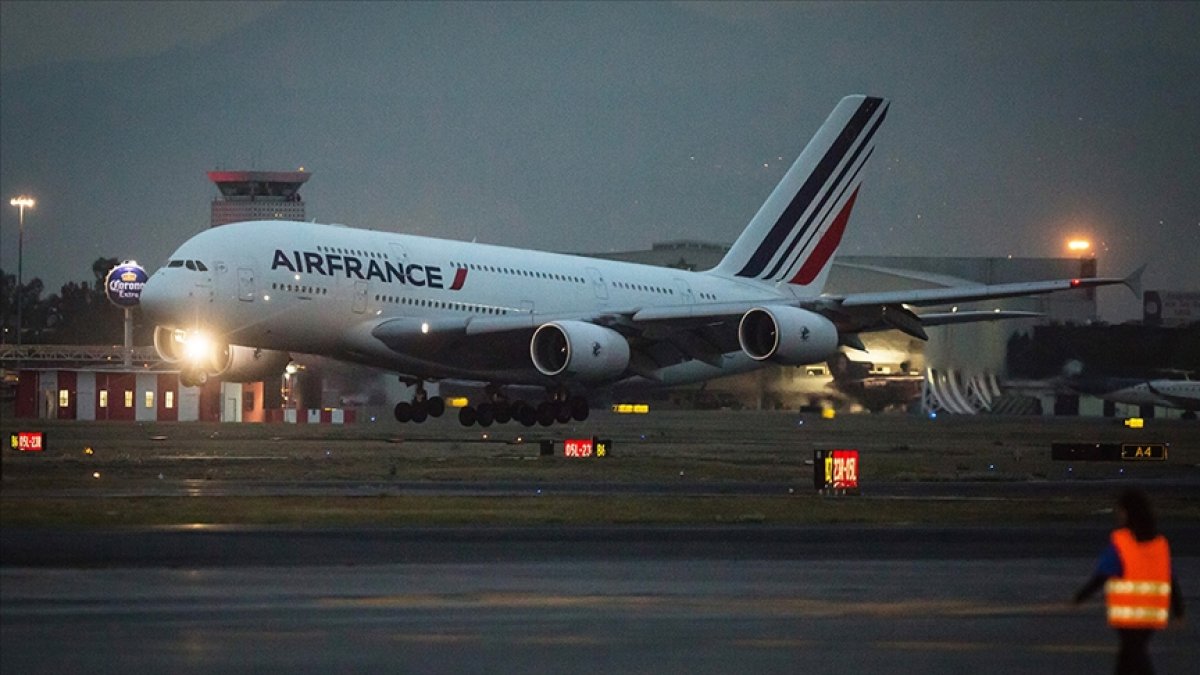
(787, 335)
(579, 350)
(249, 364)
(169, 343)
(195, 352)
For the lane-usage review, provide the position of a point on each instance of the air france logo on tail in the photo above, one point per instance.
(353, 267)
(796, 232)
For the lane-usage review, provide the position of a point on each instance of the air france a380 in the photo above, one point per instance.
(234, 301)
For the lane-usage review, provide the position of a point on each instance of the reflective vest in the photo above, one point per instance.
(1141, 596)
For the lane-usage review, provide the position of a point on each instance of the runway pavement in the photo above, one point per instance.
(578, 599)
(604, 599)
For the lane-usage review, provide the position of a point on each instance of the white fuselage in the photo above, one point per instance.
(320, 289)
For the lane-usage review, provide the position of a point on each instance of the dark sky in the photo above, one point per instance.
(599, 127)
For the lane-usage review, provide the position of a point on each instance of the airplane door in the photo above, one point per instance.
(245, 284)
(598, 285)
(399, 252)
(360, 297)
(686, 296)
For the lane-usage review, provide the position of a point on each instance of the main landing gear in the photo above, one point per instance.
(559, 407)
(421, 408)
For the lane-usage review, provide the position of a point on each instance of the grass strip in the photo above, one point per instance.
(581, 510)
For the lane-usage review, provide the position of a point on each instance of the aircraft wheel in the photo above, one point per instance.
(467, 416)
(502, 413)
(545, 413)
(579, 408)
(486, 414)
(436, 405)
(420, 412)
(525, 413)
(403, 411)
(193, 378)
(562, 413)
(1189, 415)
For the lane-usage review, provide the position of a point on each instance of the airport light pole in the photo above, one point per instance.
(22, 202)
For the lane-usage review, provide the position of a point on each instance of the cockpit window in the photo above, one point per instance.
(194, 265)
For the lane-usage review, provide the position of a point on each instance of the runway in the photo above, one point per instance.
(644, 600)
(791, 591)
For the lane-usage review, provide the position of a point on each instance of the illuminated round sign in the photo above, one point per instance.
(124, 283)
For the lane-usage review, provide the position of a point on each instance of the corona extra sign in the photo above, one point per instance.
(124, 284)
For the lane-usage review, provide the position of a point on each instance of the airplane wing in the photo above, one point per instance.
(663, 336)
(943, 296)
(867, 312)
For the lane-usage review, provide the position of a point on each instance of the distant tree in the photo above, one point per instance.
(79, 313)
(100, 269)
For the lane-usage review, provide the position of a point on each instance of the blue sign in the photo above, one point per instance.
(124, 283)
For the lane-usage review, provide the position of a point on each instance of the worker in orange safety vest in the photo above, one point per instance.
(1140, 588)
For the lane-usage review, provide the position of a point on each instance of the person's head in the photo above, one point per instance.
(1134, 512)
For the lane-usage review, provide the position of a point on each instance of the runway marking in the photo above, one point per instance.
(754, 606)
(935, 645)
(435, 638)
(774, 643)
(561, 641)
(501, 600)
(1074, 649)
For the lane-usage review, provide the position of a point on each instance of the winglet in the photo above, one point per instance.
(1134, 281)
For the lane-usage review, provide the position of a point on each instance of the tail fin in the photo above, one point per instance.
(796, 231)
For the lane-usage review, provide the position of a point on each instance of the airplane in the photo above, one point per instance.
(234, 301)
(1180, 394)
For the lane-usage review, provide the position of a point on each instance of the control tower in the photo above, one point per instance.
(257, 195)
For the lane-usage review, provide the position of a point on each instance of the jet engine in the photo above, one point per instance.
(579, 350)
(199, 357)
(787, 335)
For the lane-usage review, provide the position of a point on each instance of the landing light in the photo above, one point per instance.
(196, 346)
(424, 327)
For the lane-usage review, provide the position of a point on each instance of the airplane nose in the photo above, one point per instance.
(156, 301)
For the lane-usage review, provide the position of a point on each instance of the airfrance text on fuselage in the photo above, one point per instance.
(329, 264)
